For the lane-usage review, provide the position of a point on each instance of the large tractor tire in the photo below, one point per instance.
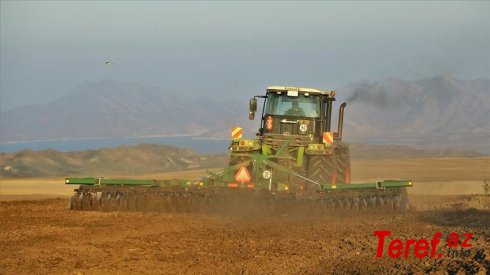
(321, 169)
(343, 166)
(330, 169)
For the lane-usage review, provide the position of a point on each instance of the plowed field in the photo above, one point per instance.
(40, 235)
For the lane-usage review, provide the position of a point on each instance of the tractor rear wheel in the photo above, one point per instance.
(321, 169)
(343, 167)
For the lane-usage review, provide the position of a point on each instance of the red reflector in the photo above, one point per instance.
(250, 186)
(242, 143)
(232, 185)
(268, 123)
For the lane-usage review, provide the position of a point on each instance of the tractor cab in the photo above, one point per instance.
(294, 111)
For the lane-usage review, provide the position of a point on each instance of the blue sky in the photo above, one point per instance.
(224, 50)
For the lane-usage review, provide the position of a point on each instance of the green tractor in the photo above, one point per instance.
(296, 133)
(295, 157)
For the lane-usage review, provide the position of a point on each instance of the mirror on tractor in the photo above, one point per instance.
(252, 108)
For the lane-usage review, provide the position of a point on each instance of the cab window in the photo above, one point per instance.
(300, 106)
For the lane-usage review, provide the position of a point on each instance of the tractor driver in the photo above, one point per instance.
(295, 110)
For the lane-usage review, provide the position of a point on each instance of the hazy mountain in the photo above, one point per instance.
(438, 112)
(115, 109)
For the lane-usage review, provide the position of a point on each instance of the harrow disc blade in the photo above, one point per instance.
(237, 202)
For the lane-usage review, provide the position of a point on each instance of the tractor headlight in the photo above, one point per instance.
(316, 147)
(246, 143)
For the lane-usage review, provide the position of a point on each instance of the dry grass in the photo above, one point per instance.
(424, 169)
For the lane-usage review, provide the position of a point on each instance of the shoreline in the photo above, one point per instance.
(99, 138)
(192, 141)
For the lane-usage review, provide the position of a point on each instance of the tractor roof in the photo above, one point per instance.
(299, 89)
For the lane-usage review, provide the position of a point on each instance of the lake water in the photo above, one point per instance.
(206, 146)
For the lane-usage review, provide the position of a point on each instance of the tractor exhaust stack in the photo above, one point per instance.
(341, 120)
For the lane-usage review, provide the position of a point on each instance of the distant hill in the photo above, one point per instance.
(436, 112)
(122, 160)
(114, 109)
(150, 158)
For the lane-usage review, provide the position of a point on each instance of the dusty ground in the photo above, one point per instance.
(40, 235)
(45, 237)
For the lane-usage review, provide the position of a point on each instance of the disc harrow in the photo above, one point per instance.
(187, 198)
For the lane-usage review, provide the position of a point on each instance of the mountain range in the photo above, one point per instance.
(440, 112)
(436, 112)
(115, 109)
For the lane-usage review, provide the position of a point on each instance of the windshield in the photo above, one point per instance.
(300, 106)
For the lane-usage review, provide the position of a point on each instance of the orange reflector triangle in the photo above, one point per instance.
(243, 175)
